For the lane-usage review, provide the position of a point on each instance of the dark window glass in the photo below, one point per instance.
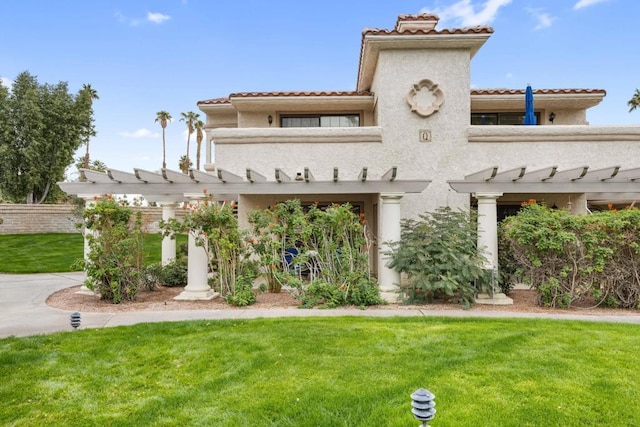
(500, 118)
(333, 120)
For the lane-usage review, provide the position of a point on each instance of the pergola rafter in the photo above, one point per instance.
(550, 180)
(174, 185)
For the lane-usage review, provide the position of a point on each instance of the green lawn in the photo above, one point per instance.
(56, 252)
(325, 372)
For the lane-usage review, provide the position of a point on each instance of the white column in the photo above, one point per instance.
(488, 243)
(168, 242)
(388, 278)
(197, 270)
(90, 202)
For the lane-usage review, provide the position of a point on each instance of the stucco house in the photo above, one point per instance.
(409, 138)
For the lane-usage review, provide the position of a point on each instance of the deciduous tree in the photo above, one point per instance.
(41, 127)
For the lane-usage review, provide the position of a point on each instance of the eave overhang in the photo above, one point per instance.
(373, 44)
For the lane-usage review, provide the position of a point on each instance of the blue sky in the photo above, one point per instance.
(145, 56)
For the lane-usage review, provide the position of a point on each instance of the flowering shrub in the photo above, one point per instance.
(115, 258)
(569, 258)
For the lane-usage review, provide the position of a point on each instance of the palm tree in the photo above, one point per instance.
(199, 137)
(91, 94)
(184, 164)
(634, 102)
(164, 118)
(189, 118)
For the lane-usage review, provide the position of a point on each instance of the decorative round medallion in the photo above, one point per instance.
(425, 98)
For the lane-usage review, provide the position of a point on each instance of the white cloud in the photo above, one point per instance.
(509, 75)
(544, 19)
(6, 82)
(586, 3)
(126, 20)
(140, 133)
(157, 18)
(464, 12)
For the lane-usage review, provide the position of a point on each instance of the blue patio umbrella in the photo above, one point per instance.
(529, 117)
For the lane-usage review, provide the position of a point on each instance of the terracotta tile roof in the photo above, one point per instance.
(227, 100)
(419, 17)
(505, 91)
(215, 101)
(480, 29)
(310, 93)
(429, 29)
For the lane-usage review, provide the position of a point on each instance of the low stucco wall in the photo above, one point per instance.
(26, 219)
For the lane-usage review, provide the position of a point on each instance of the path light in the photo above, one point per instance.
(75, 319)
(423, 406)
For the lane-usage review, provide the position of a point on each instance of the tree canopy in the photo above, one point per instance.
(41, 127)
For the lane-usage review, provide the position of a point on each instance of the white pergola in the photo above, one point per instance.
(169, 187)
(488, 185)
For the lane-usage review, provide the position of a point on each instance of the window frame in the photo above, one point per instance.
(498, 115)
(319, 116)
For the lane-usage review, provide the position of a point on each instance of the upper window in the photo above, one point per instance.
(320, 120)
(500, 118)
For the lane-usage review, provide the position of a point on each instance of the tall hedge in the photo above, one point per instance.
(568, 259)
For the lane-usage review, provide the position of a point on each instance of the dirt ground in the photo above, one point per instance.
(162, 300)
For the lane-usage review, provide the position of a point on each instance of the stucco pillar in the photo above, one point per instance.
(168, 242)
(488, 243)
(197, 268)
(388, 279)
(90, 202)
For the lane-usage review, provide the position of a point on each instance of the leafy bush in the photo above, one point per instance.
(244, 294)
(114, 264)
(569, 258)
(328, 246)
(324, 294)
(439, 254)
(170, 275)
(215, 228)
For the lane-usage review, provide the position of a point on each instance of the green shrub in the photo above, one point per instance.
(114, 264)
(244, 294)
(175, 273)
(569, 259)
(170, 275)
(330, 247)
(439, 254)
(323, 294)
(216, 229)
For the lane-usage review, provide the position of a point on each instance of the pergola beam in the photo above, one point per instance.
(550, 180)
(173, 185)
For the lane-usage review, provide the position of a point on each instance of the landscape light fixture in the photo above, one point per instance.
(75, 320)
(423, 406)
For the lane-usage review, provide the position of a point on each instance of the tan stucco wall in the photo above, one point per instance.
(397, 71)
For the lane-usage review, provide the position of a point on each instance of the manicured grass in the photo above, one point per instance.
(325, 372)
(56, 252)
